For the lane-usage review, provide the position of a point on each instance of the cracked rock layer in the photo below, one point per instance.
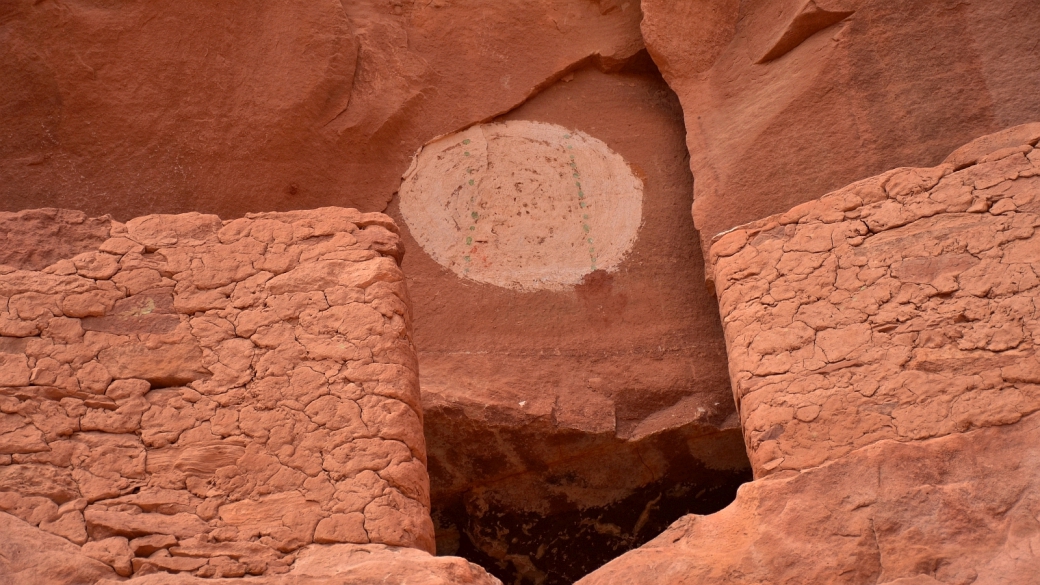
(882, 351)
(201, 396)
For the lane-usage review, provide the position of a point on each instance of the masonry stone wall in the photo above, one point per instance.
(206, 396)
(903, 307)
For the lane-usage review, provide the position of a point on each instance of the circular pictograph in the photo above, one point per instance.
(524, 205)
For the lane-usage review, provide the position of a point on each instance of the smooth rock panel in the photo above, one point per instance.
(787, 100)
(135, 109)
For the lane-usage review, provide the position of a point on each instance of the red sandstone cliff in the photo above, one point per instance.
(563, 423)
(883, 352)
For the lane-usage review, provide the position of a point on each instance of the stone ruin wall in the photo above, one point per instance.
(901, 307)
(206, 396)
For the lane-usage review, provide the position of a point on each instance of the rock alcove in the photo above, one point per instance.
(575, 393)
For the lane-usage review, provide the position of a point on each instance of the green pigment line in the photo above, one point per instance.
(582, 203)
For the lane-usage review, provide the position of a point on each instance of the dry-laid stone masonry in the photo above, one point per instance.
(209, 397)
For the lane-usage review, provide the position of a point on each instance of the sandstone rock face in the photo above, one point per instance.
(356, 564)
(29, 555)
(131, 109)
(900, 307)
(882, 349)
(36, 238)
(204, 396)
(959, 509)
(566, 412)
(786, 100)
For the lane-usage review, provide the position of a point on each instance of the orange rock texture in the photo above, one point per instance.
(204, 396)
(786, 100)
(134, 109)
(882, 345)
(186, 397)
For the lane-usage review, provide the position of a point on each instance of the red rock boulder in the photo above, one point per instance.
(882, 345)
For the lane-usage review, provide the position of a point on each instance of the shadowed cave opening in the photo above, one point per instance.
(532, 499)
(526, 533)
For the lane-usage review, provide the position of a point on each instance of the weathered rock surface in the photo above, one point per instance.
(900, 307)
(566, 412)
(356, 564)
(956, 510)
(882, 345)
(204, 396)
(139, 108)
(30, 556)
(786, 100)
(36, 238)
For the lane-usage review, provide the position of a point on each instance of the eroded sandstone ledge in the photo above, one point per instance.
(882, 345)
(211, 397)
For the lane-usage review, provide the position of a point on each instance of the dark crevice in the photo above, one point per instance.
(566, 542)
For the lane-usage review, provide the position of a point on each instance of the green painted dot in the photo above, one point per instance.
(585, 227)
(471, 181)
(469, 241)
(575, 175)
(578, 184)
(466, 258)
(581, 194)
(566, 135)
(586, 216)
(472, 228)
(466, 141)
(581, 203)
(475, 215)
(572, 156)
(570, 147)
(466, 153)
(590, 240)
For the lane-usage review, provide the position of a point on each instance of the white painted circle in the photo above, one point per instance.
(523, 205)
